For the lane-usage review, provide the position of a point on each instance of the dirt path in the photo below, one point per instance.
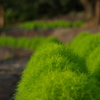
(66, 35)
(10, 70)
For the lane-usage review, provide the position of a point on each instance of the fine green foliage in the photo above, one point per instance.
(85, 43)
(49, 59)
(48, 41)
(77, 23)
(55, 72)
(57, 56)
(56, 85)
(24, 42)
(50, 25)
(88, 46)
(30, 43)
(93, 63)
(59, 72)
(6, 41)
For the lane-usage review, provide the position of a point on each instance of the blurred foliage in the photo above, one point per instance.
(87, 41)
(22, 10)
(24, 42)
(50, 24)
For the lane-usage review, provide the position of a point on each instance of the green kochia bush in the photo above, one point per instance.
(6, 41)
(50, 25)
(56, 85)
(85, 43)
(93, 63)
(28, 43)
(56, 57)
(45, 62)
(65, 86)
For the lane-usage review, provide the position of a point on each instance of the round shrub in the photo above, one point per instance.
(85, 43)
(59, 86)
(56, 57)
(77, 41)
(50, 58)
(93, 63)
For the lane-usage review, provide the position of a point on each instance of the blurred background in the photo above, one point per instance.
(25, 10)
(25, 24)
(16, 12)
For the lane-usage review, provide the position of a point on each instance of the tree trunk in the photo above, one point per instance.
(89, 8)
(1, 16)
(97, 12)
(92, 8)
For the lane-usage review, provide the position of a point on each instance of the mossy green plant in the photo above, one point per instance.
(5, 41)
(58, 86)
(47, 59)
(93, 64)
(25, 42)
(50, 24)
(30, 43)
(85, 43)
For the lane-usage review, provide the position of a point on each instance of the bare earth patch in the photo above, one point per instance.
(12, 62)
(67, 34)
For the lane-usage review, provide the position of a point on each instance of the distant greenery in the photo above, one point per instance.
(23, 10)
(24, 42)
(50, 24)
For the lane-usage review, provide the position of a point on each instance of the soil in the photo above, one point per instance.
(12, 62)
(67, 35)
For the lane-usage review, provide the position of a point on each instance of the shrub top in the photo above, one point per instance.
(85, 43)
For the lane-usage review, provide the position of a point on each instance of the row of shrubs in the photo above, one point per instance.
(50, 24)
(24, 42)
(57, 72)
